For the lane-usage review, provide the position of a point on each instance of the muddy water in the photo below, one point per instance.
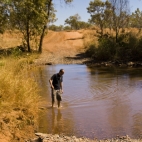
(97, 102)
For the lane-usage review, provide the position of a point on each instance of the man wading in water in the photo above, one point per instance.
(56, 82)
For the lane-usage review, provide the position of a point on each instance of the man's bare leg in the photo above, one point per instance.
(53, 97)
(52, 103)
(59, 104)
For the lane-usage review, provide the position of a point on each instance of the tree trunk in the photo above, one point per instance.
(28, 36)
(102, 31)
(44, 28)
(41, 40)
(117, 34)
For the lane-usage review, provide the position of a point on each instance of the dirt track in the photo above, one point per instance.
(63, 48)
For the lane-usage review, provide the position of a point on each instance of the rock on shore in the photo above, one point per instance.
(57, 138)
(41, 137)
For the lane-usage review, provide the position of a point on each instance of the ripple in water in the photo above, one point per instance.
(97, 102)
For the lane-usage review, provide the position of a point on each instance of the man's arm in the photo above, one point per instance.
(61, 85)
(50, 81)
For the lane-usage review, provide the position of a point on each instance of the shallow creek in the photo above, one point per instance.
(97, 102)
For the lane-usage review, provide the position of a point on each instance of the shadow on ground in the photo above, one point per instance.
(80, 57)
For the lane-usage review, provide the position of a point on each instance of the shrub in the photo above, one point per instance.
(16, 52)
(130, 47)
(127, 48)
(106, 49)
(91, 50)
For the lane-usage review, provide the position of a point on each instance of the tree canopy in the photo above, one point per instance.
(136, 19)
(30, 18)
(75, 23)
(100, 13)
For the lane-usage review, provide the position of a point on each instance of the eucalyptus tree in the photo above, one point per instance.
(83, 25)
(101, 13)
(3, 16)
(136, 19)
(56, 28)
(31, 18)
(73, 21)
(121, 15)
(2, 19)
(67, 28)
(48, 10)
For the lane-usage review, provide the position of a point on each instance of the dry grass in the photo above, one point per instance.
(91, 36)
(19, 99)
(10, 39)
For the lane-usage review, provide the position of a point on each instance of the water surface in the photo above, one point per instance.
(97, 102)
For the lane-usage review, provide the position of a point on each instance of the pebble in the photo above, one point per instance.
(41, 137)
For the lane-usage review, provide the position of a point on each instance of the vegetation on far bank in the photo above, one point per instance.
(120, 42)
(104, 48)
(115, 15)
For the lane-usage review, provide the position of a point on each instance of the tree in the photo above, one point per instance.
(120, 19)
(52, 27)
(66, 28)
(56, 28)
(31, 17)
(100, 12)
(48, 9)
(3, 16)
(136, 19)
(83, 25)
(73, 21)
(113, 14)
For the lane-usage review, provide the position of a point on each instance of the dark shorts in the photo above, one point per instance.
(56, 94)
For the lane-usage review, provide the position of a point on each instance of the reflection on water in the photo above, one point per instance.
(97, 102)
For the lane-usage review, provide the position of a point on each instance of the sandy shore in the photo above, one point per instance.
(40, 137)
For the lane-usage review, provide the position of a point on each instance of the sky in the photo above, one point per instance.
(79, 7)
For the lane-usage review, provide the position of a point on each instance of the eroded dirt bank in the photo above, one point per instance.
(63, 48)
(69, 48)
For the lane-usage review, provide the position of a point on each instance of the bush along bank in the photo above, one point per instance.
(126, 50)
(19, 100)
(122, 64)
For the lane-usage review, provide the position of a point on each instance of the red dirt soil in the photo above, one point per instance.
(62, 47)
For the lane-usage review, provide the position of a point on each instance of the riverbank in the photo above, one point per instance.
(19, 100)
(81, 58)
(40, 137)
(69, 48)
(62, 48)
(59, 48)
